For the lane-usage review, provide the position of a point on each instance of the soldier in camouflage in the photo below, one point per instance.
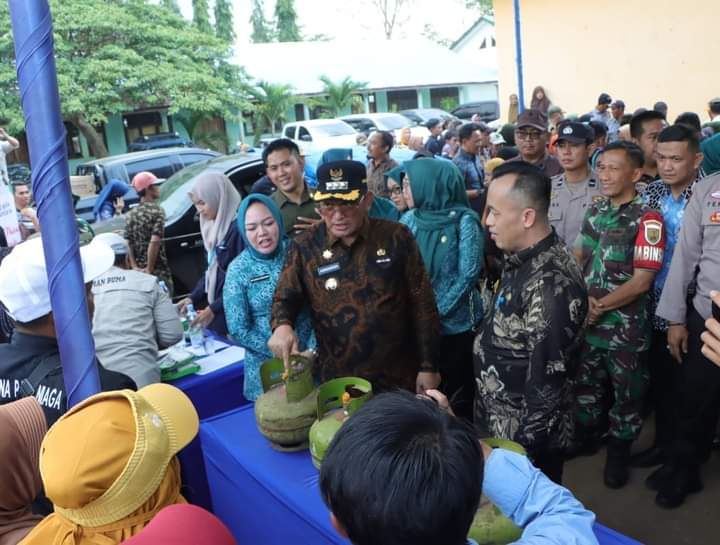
(620, 249)
(145, 229)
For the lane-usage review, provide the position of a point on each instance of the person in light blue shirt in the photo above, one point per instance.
(450, 239)
(250, 284)
(423, 472)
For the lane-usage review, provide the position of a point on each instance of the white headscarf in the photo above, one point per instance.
(219, 194)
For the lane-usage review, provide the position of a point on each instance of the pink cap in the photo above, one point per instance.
(143, 180)
(183, 524)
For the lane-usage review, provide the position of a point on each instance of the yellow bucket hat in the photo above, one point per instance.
(105, 457)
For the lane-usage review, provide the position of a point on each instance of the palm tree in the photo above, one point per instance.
(272, 101)
(338, 96)
(195, 125)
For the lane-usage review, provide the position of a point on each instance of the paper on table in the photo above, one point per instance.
(231, 355)
(214, 345)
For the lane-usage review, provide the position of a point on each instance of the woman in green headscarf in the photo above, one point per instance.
(450, 239)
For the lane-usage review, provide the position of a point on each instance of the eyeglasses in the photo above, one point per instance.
(397, 190)
(528, 135)
(329, 208)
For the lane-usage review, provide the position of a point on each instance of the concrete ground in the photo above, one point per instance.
(632, 510)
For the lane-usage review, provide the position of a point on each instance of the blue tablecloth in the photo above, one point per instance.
(272, 498)
(212, 394)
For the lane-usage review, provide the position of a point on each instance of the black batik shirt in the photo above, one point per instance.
(525, 353)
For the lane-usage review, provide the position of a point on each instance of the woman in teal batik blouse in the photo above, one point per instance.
(450, 239)
(250, 285)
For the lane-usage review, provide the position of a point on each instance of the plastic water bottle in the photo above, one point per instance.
(196, 333)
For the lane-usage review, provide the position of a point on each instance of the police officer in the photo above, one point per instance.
(134, 316)
(576, 189)
(620, 249)
(371, 303)
(30, 363)
(697, 396)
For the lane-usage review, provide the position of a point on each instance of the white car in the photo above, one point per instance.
(392, 122)
(321, 134)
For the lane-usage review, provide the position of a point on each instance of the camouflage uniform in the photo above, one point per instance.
(614, 242)
(143, 222)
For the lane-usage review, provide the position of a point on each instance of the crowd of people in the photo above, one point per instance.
(549, 283)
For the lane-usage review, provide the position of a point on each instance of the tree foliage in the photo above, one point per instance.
(171, 4)
(201, 15)
(286, 26)
(337, 96)
(483, 6)
(116, 56)
(224, 21)
(261, 29)
(272, 103)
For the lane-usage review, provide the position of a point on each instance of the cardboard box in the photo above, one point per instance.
(83, 186)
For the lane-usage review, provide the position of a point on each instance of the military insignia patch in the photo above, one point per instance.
(653, 232)
(331, 284)
(381, 252)
(715, 217)
(327, 254)
(597, 198)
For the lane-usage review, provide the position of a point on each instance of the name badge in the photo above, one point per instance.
(260, 278)
(383, 261)
(328, 269)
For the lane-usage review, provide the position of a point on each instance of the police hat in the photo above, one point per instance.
(342, 180)
(574, 132)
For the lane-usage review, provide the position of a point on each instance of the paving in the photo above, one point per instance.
(632, 510)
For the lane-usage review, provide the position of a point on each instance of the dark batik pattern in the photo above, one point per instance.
(526, 351)
(372, 305)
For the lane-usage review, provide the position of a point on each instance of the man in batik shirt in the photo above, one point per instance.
(525, 353)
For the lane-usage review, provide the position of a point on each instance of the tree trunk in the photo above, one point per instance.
(94, 139)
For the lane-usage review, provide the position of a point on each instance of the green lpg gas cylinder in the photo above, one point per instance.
(337, 399)
(288, 406)
(490, 526)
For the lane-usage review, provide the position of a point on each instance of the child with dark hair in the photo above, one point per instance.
(404, 471)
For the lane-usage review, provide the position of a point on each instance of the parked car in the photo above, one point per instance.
(159, 140)
(163, 163)
(183, 241)
(320, 134)
(488, 110)
(422, 115)
(392, 122)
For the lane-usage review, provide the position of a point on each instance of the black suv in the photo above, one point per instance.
(159, 140)
(488, 110)
(183, 241)
(163, 163)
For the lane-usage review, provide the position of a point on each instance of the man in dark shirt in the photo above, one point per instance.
(379, 161)
(285, 167)
(468, 162)
(30, 363)
(645, 127)
(371, 302)
(531, 136)
(525, 352)
(433, 144)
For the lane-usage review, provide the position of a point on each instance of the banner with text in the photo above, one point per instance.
(8, 216)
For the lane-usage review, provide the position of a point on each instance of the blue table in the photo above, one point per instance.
(212, 394)
(272, 498)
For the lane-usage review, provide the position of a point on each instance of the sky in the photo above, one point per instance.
(359, 19)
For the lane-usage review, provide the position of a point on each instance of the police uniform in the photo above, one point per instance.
(568, 207)
(372, 306)
(696, 257)
(133, 317)
(614, 241)
(569, 201)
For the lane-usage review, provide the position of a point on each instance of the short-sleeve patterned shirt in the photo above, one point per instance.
(142, 223)
(614, 241)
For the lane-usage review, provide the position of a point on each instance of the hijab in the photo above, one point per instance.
(513, 112)
(22, 427)
(82, 457)
(711, 150)
(113, 190)
(396, 173)
(438, 190)
(219, 194)
(274, 210)
(543, 104)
